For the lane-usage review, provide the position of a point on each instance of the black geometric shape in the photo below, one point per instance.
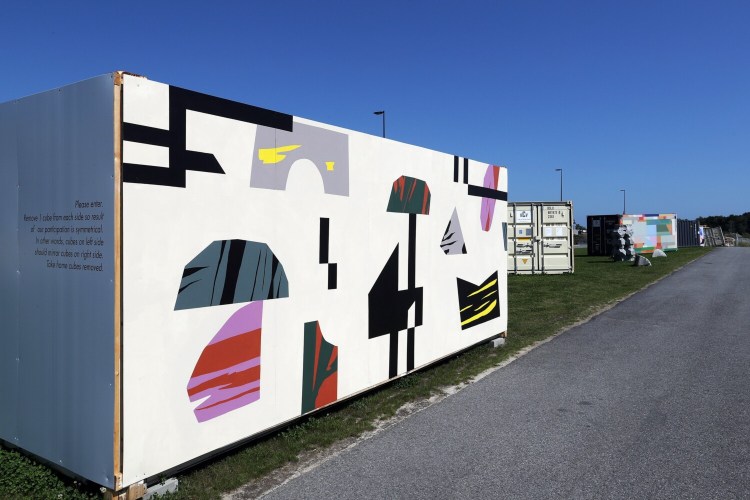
(180, 158)
(478, 303)
(387, 305)
(484, 192)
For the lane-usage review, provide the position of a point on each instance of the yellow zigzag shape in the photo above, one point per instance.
(489, 309)
(271, 155)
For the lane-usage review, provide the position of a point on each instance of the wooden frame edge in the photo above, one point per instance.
(117, 430)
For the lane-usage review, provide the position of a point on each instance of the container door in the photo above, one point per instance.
(554, 240)
(521, 248)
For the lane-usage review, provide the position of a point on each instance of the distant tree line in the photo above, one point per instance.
(728, 223)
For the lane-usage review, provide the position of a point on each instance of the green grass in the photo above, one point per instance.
(539, 306)
(21, 477)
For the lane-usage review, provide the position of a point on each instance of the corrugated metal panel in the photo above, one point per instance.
(540, 237)
(687, 233)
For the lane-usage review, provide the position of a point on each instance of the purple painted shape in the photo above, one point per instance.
(246, 319)
(488, 204)
(245, 365)
(232, 385)
(203, 414)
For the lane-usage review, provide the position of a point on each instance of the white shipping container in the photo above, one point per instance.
(540, 237)
(183, 272)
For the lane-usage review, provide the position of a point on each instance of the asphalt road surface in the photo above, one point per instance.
(650, 399)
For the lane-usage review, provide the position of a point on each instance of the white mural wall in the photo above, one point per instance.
(271, 265)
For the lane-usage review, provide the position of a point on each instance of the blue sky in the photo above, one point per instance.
(648, 96)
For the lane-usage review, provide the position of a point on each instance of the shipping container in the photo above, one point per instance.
(183, 272)
(688, 233)
(540, 237)
(650, 231)
(598, 229)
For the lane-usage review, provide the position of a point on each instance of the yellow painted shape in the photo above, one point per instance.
(329, 165)
(489, 309)
(271, 155)
(485, 287)
(524, 260)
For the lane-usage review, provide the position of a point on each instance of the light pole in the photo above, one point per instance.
(382, 113)
(560, 170)
(623, 201)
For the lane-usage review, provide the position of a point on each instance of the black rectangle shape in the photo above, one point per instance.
(324, 225)
(466, 170)
(204, 103)
(484, 192)
(455, 169)
(332, 276)
(133, 132)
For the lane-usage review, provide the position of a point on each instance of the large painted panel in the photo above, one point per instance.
(652, 231)
(56, 351)
(273, 265)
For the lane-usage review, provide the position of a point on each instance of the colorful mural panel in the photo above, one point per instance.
(387, 300)
(652, 231)
(229, 272)
(409, 196)
(478, 303)
(453, 239)
(389, 310)
(320, 369)
(277, 150)
(491, 178)
(190, 242)
(227, 374)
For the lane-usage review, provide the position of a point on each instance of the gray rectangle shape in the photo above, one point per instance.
(58, 147)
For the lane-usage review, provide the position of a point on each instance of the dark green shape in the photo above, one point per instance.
(313, 379)
(409, 196)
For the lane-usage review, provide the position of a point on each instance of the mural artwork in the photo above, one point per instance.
(229, 272)
(374, 296)
(320, 369)
(478, 303)
(652, 231)
(323, 258)
(389, 307)
(227, 374)
(204, 212)
(453, 239)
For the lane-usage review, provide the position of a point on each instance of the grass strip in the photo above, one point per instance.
(539, 306)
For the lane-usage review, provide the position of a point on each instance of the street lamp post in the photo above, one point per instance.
(560, 170)
(381, 113)
(623, 201)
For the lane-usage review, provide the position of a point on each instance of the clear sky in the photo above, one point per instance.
(648, 96)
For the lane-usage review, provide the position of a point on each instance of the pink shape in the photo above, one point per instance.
(491, 179)
(234, 377)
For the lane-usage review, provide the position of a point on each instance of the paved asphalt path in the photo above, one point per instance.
(650, 399)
